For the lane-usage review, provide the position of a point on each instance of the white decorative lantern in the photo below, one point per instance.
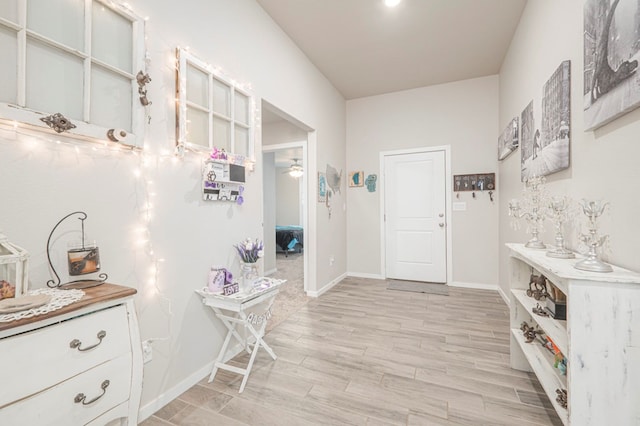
(14, 266)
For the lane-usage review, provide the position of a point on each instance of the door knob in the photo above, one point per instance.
(441, 215)
(441, 225)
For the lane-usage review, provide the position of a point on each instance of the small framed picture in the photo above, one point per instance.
(356, 179)
(322, 187)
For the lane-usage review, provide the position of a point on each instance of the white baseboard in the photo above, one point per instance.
(504, 296)
(365, 275)
(163, 399)
(270, 272)
(477, 286)
(326, 287)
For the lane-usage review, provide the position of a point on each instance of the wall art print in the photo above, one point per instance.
(508, 140)
(611, 52)
(322, 187)
(545, 142)
(356, 179)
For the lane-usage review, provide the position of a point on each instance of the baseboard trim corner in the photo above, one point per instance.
(477, 286)
(327, 286)
(365, 275)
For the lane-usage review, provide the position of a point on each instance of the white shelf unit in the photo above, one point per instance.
(600, 338)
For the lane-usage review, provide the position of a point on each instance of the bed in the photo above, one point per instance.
(289, 239)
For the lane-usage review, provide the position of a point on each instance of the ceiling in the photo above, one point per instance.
(365, 48)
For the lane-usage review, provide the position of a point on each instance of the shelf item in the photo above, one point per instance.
(81, 364)
(600, 338)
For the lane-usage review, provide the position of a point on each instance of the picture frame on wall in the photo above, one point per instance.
(611, 53)
(356, 179)
(322, 187)
(546, 142)
(509, 139)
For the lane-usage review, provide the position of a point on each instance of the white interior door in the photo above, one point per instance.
(415, 226)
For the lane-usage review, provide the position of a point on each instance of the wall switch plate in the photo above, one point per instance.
(459, 206)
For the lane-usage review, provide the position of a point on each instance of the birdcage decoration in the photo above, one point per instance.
(14, 268)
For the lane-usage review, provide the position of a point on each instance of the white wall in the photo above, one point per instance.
(604, 163)
(42, 185)
(462, 115)
(288, 198)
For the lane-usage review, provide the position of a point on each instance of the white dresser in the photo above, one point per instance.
(80, 365)
(600, 338)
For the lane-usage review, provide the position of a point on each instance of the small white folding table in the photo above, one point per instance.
(234, 310)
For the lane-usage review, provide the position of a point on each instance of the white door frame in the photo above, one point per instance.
(448, 188)
(305, 206)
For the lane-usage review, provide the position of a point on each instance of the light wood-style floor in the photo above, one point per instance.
(365, 355)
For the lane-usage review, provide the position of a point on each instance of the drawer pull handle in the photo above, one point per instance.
(80, 398)
(75, 343)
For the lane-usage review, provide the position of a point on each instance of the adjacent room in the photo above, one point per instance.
(309, 212)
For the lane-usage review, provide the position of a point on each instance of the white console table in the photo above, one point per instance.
(234, 310)
(79, 365)
(600, 338)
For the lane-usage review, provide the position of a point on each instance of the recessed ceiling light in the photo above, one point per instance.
(392, 3)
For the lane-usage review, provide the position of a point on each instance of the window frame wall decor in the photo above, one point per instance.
(222, 117)
(36, 90)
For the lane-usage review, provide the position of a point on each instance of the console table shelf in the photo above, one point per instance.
(600, 338)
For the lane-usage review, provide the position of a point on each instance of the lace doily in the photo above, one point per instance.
(59, 299)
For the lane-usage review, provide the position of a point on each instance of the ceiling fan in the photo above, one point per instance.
(295, 170)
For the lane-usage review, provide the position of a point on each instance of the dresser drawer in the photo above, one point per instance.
(44, 357)
(58, 406)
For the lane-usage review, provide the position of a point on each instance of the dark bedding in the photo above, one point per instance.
(289, 238)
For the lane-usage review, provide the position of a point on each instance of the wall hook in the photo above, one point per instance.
(491, 196)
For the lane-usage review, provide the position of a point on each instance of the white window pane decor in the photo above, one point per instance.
(221, 98)
(8, 65)
(79, 58)
(222, 134)
(197, 86)
(9, 10)
(241, 103)
(111, 38)
(59, 20)
(198, 127)
(110, 99)
(54, 80)
(227, 107)
(241, 141)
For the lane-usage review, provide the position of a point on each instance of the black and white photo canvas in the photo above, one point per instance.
(547, 148)
(508, 140)
(611, 45)
(527, 131)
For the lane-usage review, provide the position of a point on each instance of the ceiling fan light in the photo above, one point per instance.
(296, 173)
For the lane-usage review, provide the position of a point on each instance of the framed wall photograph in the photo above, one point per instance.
(356, 179)
(322, 187)
(509, 139)
(611, 52)
(546, 141)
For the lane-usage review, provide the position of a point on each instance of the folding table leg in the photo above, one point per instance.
(231, 331)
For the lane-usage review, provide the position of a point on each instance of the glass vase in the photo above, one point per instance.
(249, 275)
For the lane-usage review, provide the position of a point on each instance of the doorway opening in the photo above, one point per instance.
(288, 234)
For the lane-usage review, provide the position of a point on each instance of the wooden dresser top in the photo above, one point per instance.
(100, 294)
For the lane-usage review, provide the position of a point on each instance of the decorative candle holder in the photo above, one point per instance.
(593, 210)
(531, 210)
(559, 213)
(83, 258)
